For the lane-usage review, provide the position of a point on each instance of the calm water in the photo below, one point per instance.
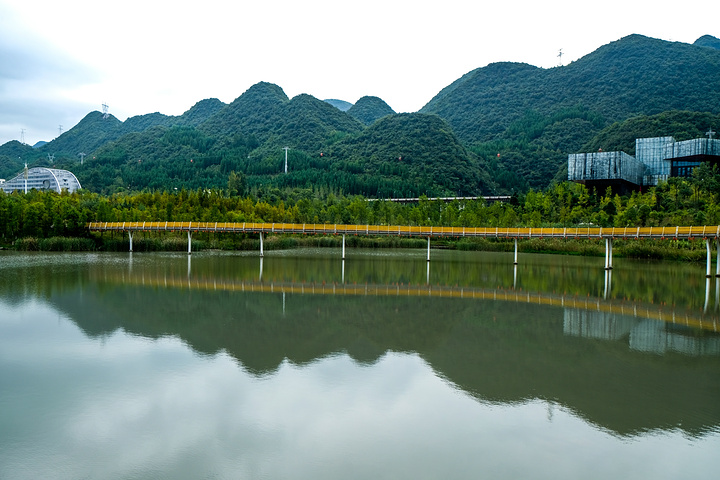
(301, 366)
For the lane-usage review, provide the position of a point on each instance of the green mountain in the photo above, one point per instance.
(416, 153)
(708, 41)
(255, 112)
(523, 121)
(12, 155)
(139, 123)
(94, 131)
(632, 76)
(200, 112)
(499, 129)
(88, 135)
(369, 109)
(341, 105)
(399, 155)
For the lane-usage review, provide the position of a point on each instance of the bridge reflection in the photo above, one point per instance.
(603, 310)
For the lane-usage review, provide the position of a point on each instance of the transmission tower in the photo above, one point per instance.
(82, 157)
(51, 158)
(560, 54)
(22, 136)
(59, 130)
(105, 110)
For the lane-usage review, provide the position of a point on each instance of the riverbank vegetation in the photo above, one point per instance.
(58, 222)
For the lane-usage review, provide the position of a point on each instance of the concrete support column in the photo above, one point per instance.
(343, 249)
(709, 257)
(717, 257)
(515, 262)
(130, 233)
(262, 254)
(608, 253)
(428, 256)
(189, 243)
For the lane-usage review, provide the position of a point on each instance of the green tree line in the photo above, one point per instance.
(693, 201)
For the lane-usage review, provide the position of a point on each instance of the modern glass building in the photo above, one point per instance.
(656, 159)
(41, 178)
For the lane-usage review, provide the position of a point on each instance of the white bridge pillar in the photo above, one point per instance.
(261, 245)
(515, 262)
(608, 253)
(709, 257)
(130, 233)
(189, 243)
(343, 248)
(428, 258)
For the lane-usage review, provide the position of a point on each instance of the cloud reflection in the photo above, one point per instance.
(124, 406)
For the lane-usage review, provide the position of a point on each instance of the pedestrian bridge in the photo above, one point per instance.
(707, 233)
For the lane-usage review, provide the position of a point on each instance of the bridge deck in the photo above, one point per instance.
(697, 232)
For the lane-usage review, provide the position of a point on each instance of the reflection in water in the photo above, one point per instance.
(372, 356)
(643, 335)
(608, 283)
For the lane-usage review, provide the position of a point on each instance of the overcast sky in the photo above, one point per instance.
(60, 60)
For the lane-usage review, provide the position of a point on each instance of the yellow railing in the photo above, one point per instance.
(423, 231)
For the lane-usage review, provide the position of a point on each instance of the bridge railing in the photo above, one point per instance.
(422, 231)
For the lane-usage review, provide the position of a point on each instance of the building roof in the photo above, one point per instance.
(42, 178)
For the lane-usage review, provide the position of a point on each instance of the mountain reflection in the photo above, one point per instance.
(626, 366)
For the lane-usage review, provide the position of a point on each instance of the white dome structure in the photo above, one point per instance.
(41, 178)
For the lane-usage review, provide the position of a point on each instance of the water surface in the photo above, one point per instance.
(300, 365)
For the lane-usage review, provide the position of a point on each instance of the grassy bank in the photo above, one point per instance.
(679, 250)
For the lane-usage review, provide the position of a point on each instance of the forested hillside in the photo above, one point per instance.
(500, 129)
(682, 125)
(369, 109)
(634, 75)
(535, 117)
(341, 105)
(708, 41)
(402, 155)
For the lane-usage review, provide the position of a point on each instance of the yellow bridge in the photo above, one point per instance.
(702, 232)
(706, 233)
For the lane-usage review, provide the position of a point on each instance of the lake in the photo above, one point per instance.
(302, 366)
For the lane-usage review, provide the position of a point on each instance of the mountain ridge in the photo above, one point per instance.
(515, 124)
